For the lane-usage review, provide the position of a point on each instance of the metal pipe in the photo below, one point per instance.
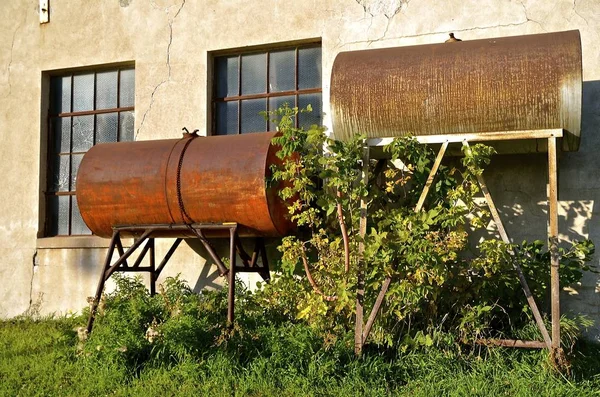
(142, 254)
(168, 256)
(102, 280)
(127, 254)
(211, 251)
(153, 275)
(231, 292)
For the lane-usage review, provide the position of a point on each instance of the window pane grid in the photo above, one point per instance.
(99, 111)
(85, 109)
(271, 70)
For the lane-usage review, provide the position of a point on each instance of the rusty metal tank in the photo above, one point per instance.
(501, 84)
(220, 178)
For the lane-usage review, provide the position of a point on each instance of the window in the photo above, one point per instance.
(85, 109)
(248, 83)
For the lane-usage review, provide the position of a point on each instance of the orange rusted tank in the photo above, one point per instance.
(182, 181)
(473, 86)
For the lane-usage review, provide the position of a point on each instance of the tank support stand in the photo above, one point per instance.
(551, 341)
(146, 234)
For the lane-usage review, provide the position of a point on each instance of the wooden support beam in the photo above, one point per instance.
(550, 343)
(525, 344)
(476, 137)
(376, 307)
(360, 288)
(434, 169)
(553, 242)
(504, 236)
(386, 283)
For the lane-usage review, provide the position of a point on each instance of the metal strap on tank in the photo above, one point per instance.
(187, 219)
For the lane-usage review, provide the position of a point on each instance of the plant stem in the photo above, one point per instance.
(340, 212)
(311, 280)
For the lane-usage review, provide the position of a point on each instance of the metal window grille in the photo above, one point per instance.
(85, 109)
(246, 84)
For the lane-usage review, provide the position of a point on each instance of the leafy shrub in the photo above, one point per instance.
(435, 285)
(133, 327)
(438, 295)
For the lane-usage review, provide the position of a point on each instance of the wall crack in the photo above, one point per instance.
(35, 263)
(529, 19)
(9, 66)
(437, 33)
(389, 9)
(370, 7)
(171, 21)
(574, 9)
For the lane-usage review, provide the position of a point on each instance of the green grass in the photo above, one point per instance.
(42, 357)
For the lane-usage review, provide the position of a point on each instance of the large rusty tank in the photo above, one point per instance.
(182, 181)
(501, 84)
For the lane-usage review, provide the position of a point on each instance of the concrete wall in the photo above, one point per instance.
(170, 42)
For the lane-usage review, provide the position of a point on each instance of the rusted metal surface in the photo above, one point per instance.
(503, 84)
(181, 181)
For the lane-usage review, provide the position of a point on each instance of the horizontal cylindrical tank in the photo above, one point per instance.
(178, 181)
(502, 84)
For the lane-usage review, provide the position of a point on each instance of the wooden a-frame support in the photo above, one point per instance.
(551, 135)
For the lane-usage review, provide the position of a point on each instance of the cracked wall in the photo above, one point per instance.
(170, 42)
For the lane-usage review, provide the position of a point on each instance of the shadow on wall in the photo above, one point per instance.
(209, 276)
(518, 186)
(580, 191)
(197, 268)
(579, 178)
(89, 263)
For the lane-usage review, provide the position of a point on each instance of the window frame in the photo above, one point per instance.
(266, 95)
(51, 154)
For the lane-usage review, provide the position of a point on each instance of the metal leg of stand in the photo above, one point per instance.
(231, 294)
(100, 287)
(153, 275)
(265, 273)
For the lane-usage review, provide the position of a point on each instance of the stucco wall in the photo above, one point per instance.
(170, 42)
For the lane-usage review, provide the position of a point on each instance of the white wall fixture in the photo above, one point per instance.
(44, 11)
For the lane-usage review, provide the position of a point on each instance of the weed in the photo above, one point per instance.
(265, 355)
